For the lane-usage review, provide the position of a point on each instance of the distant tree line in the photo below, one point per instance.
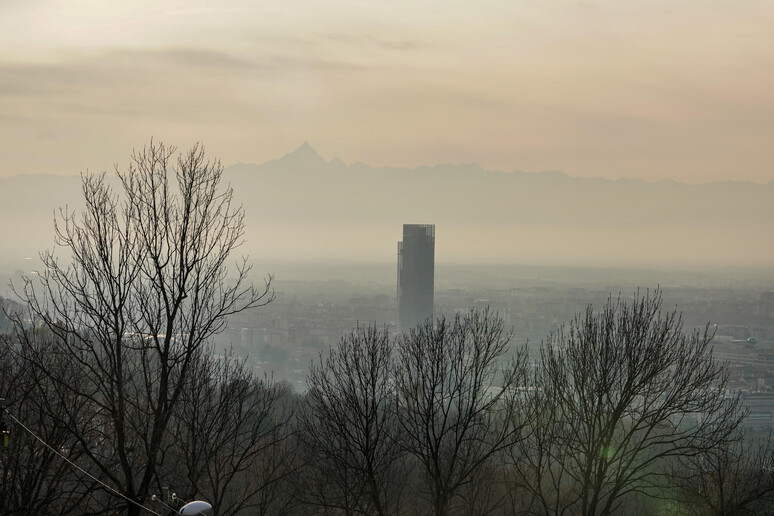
(116, 399)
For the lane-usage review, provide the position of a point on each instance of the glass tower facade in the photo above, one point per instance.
(416, 274)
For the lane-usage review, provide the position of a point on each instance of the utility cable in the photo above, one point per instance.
(44, 443)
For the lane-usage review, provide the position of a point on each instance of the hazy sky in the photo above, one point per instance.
(617, 88)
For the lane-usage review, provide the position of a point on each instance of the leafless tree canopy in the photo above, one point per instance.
(229, 437)
(33, 479)
(734, 479)
(143, 289)
(349, 428)
(614, 399)
(457, 403)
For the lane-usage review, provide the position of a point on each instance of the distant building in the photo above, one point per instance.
(760, 407)
(416, 274)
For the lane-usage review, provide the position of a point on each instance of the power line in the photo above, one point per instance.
(44, 443)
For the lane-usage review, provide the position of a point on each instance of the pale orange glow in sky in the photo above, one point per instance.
(648, 89)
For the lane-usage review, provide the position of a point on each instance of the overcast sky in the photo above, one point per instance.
(651, 89)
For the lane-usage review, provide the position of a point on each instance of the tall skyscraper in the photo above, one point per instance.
(416, 274)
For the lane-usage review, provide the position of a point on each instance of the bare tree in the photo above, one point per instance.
(613, 401)
(349, 428)
(458, 405)
(230, 433)
(144, 288)
(731, 480)
(36, 479)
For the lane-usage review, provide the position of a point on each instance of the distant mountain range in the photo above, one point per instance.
(302, 206)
